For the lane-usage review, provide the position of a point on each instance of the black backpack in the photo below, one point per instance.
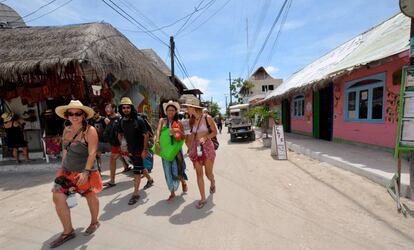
(110, 133)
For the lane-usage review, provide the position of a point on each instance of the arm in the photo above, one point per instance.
(144, 151)
(92, 139)
(157, 135)
(213, 129)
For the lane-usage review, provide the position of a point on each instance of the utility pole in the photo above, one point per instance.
(211, 105)
(225, 103)
(172, 48)
(230, 87)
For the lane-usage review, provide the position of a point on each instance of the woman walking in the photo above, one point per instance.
(201, 148)
(78, 174)
(14, 136)
(174, 170)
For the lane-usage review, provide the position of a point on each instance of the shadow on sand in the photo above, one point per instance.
(164, 207)
(190, 213)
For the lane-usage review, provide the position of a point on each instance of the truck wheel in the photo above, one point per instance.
(232, 138)
(252, 136)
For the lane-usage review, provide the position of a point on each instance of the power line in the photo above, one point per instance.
(47, 13)
(208, 19)
(268, 36)
(136, 10)
(33, 12)
(137, 24)
(206, 7)
(279, 32)
(181, 64)
(188, 19)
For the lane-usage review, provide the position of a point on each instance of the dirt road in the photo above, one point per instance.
(260, 203)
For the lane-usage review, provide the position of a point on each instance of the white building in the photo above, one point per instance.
(263, 84)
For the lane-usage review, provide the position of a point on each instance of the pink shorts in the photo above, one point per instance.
(208, 152)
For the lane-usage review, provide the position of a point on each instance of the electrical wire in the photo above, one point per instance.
(33, 12)
(268, 36)
(196, 9)
(136, 23)
(279, 32)
(181, 64)
(208, 19)
(206, 7)
(47, 13)
(131, 7)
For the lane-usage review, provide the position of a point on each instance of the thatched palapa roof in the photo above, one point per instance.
(105, 49)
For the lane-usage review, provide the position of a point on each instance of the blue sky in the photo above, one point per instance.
(222, 44)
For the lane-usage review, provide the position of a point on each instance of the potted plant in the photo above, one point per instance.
(262, 114)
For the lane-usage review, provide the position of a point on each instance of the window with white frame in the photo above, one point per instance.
(299, 106)
(270, 87)
(364, 99)
(264, 88)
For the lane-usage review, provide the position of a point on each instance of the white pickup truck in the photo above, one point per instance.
(240, 125)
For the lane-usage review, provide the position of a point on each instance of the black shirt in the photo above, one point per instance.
(133, 130)
(100, 126)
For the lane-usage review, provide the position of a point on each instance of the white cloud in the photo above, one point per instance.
(294, 24)
(271, 69)
(197, 82)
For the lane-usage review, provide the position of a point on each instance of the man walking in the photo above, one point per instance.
(111, 135)
(134, 131)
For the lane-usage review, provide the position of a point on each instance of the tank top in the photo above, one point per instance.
(76, 156)
(202, 126)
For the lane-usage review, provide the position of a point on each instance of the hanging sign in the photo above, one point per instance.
(278, 146)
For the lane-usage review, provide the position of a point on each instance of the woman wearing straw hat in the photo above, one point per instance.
(78, 174)
(174, 170)
(201, 148)
(14, 136)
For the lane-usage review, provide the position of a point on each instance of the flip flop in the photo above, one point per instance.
(133, 200)
(171, 198)
(109, 185)
(91, 229)
(201, 204)
(62, 239)
(212, 189)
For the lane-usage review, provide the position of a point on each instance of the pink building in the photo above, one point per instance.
(350, 94)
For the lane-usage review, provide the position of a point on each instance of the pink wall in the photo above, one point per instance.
(381, 134)
(303, 124)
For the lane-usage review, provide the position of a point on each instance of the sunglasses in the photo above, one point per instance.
(126, 107)
(74, 114)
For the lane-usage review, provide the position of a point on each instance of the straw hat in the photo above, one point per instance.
(7, 116)
(74, 104)
(195, 103)
(126, 101)
(171, 103)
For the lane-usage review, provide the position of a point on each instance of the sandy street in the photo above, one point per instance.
(260, 203)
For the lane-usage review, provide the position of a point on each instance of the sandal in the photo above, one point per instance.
(62, 239)
(201, 204)
(109, 184)
(171, 198)
(133, 200)
(213, 189)
(91, 229)
(185, 187)
(149, 184)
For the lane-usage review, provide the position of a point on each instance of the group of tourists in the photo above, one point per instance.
(82, 144)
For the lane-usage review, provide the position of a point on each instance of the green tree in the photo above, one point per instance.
(214, 109)
(263, 115)
(239, 87)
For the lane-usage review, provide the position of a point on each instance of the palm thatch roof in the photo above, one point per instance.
(9, 17)
(99, 45)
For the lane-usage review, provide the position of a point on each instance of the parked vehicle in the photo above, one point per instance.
(239, 125)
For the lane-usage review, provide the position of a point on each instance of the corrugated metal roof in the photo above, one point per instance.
(386, 39)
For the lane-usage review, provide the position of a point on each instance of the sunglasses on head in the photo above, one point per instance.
(74, 114)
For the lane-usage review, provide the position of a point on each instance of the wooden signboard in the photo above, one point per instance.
(278, 147)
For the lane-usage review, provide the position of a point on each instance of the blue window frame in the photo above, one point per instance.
(298, 106)
(364, 99)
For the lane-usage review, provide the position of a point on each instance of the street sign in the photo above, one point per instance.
(278, 146)
(407, 7)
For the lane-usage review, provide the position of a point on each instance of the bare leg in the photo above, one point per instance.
(93, 203)
(63, 212)
(209, 173)
(146, 174)
(26, 153)
(112, 167)
(137, 181)
(124, 162)
(200, 180)
(16, 154)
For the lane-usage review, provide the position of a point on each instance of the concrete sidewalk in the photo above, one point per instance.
(376, 165)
